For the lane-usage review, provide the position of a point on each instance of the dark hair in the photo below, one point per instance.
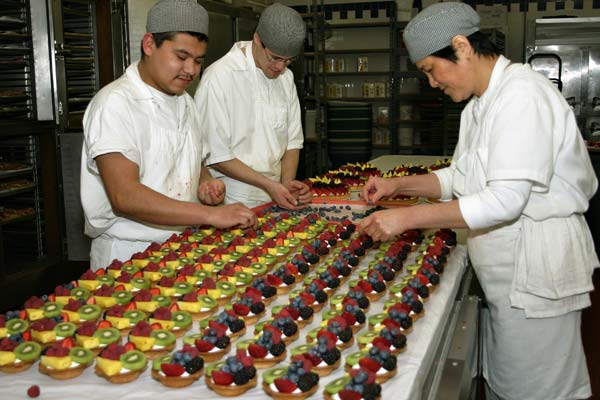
(481, 44)
(159, 38)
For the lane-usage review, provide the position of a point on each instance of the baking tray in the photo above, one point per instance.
(12, 192)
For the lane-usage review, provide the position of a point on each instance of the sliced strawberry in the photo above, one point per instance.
(220, 328)
(129, 346)
(274, 280)
(241, 309)
(173, 307)
(381, 343)
(293, 312)
(172, 369)
(275, 333)
(101, 272)
(284, 385)
(254, 294)
(350, 318)
(104, 324)
(203, 346)
(91, 300)
(369, 364)
(244, 358)
(68, 343)
(52, 297)
(130, 306)
(313, 358)
(306, 363)
(155, 326)
(346, 394)
(257, 351)
(222, 378)
(331, 338)
(65, 316)
(27, 335)
(155, 291)
(365, 286)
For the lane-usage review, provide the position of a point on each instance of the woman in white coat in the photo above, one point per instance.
(520, 181)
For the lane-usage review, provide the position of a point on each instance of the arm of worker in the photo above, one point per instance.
(132, 199)
(236, 169)
(377, 188)
(289, 168)
(501, 201)
(211, 191)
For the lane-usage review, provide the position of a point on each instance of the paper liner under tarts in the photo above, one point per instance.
(177, 381)
(63, 374)
(379, 378)
(120, 378)
(289, 396)
(231, 390)
(16, 368)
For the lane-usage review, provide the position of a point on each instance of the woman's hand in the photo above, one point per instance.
(377, 188)
(211, 192)
(384, 225)
(300, 191)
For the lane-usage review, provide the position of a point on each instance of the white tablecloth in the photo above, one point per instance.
(413, 365)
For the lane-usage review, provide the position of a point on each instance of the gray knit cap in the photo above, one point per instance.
(281, 30)
(433, 28)
(177, 16)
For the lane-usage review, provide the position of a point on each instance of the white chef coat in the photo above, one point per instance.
(245, 115)
(157, 132)
(522, 129)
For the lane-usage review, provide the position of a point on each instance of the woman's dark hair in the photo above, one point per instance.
(159, 38)
(481, 44)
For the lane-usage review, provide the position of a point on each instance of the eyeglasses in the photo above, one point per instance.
(276, 59)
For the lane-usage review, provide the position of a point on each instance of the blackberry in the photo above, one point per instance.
(290, 329)
(368, 242)
(434, 279)
(194, 366)
(396, 265)
(417, 306)
(313, 258)
(344, 235)
(451, 241)
(346, 334)
(333, 283)
(439, 268)
(237, 325)
(289, 279)
(406, 323)
(423, 292)
(351, 228)
(332, 242)
(445, 251)
(269, 291)
(240, 378)
(399, 342)
(345, 270)
(363, 302)
(390, 363)
(330, 357)
(378, 287)
(222, 342)
(353, 261)
(257, 308)
(442, 259)
(250, 371)
(307, 381)
(360, 251)
(306, 312)
(321, 296)
(372, 391)
(360, 317)
(323, 251)
(388, 275)
(303, 268)
(277, 349)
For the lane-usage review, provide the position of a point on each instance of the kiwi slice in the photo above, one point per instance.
(213, 367)
(28, 351)
(304, 348)
(81, 355)
(16, 325)
(313, 333)
(163, 301)
(166, 271)
(130, 269)
(258, 328)
(377, 318)
(107, 335)
(80, 293)
(367, 337)
(329, 314)
(244, 344)
(191, 339)
(201, 274)
(133, 360)
(183, 287)
(51, 309)
(161, 360)
(134, 316)
(182, 319)
(258, 268)
(207, 301)
(227, 288)
(140, 283)
(89, 312)
(65, 329)
(276, 309)
(185, 260)
(335, 386)
(162, 337)
(107, 280)
(354, 358)
(243, 277)
(122, 296)
(270, 375)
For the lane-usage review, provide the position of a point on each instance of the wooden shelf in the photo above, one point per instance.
(369, 73)
(348, 51)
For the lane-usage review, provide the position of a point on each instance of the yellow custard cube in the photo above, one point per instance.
(118, 322)
(7, 358)
(109, 367)
(43, 336)
(56, 362)
(167, 325)
(34, 314)
(87, 342)
(142, 343)
(90, 285)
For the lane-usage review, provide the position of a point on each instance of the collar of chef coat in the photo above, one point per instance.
(480, 104)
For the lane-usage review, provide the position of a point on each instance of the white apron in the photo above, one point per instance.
(523, 358)
(176, 157)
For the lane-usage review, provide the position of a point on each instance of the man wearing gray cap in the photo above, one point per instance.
(250, 114)
(520, 181)
(142, 177)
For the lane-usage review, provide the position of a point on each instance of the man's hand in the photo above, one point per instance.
(282, 196)
(211, 192)
(383, 225)
(232, 215)
(300, 191)
(377, 188)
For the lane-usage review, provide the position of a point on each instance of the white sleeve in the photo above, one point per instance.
(444, 176)
(501, 201)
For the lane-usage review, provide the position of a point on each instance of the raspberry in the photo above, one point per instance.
(257, 351)
(222, 378)
(33, 391)
(284, 385)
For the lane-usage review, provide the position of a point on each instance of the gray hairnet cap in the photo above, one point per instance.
(177, 16)
(281, 30)
(433, 28)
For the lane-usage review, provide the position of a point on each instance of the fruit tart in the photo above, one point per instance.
(77, 312)
(95, 337)
(378, 359)
(359, 384)
(42, 331)
(390, 336)
(400, 313)
(268, 350)
(152, 340)
(301, 313)
(263, 285)
(64, 361)
(233, 324)
(297, 381)
(11, 324)
(62, 293)
(212, 343)
(222, 291)
(172, 319)
(17, 355)
(148, 300)
(124, 318)
(179, 369)
(88, 280)
(104, 296)
(198, 306)
(282, 322)
(232, 377)
(120, 364)
(339, 327)
(249, 306)
(373, 286)
(283, 278)
(324, 355)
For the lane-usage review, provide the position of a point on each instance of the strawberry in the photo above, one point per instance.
(275, 333)
(130, 306)
(222, 378)
(173, 307)
(274, 280)
(220, 328)
(65, 316)
(369, 364)
(306, 363)
(243, 358)
(52, 297)
(203, 346)
(254, 294)
(91, 300)
(68, 343)
(365, 286)
(331, 338)
(381, 343)
(241, 309)
(172, 369)
(346, 394)
(129, 346)
(314, 359)
(101, 272)
(350, 318)
(155, 326)
(104, 324)
(284, 385)
(27, 336)
(257, 351)
(293, 312)
(155, 291)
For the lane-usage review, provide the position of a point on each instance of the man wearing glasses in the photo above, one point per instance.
(250, 114)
